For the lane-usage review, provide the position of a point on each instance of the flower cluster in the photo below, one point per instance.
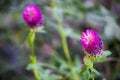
(33, 16)
(92, 43)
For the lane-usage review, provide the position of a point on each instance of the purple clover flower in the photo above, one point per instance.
(92, 43)
(33, 16)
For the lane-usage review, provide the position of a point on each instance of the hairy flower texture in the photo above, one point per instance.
(92, 43)
(33, 16)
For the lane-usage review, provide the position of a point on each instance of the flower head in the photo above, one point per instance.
(92, 43)
(33, 16)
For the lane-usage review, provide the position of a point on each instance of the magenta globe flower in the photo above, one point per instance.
(33, 16)
(92, 43)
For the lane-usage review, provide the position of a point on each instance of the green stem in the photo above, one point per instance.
(66, 50)
(92, 75)
(34, 61)
(31, 38)
(64, 43)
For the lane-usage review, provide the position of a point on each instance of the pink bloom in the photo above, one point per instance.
(92, 43)
(33, 16)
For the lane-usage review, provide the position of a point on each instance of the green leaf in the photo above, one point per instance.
(41, 71)
(30, 66)
(83, 70)
(95, 71)
(41, 29)
(106, 53)
(103, 57)
(39, 68)
(52, 77)
(47, 65)
(59, 60)
(77, 61)
(77, 64)
(46, 73)
(86, 75)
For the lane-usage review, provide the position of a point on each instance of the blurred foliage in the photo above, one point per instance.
(76, 15)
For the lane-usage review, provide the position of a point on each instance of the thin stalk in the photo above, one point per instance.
(66, 50)
(32, 49)
(64, 43)
(92, 75)
(33, 61)
(31, 38)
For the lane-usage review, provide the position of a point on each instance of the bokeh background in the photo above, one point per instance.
(77, 15)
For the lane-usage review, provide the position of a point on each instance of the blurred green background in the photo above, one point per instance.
(77, 15)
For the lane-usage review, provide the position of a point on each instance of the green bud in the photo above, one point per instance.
(88, 60)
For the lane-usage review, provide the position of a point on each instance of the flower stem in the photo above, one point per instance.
(33, 61)
(31, 38)
(66, 50)
(64, 43)
(92, 75)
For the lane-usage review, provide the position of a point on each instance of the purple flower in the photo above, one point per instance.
(33, 16)
(92, 43)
